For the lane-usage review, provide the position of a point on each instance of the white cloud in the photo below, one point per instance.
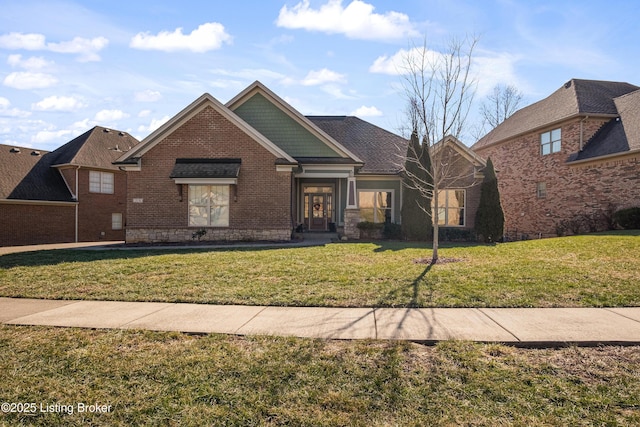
(144, 113)
(147, 95)
(87, 49)
(108, 116)
(32, 64)
(323, 76)
(491, 69)
(58, 103)
(155, 124)
(16, 41)
(356, 21)
(365, 111)
(397, 64)
(50, 135)
(336, 91)
(7, 111)
(28, 80)
(206, 37)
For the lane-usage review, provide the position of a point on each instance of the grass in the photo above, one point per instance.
(580, 271)
(152, 378)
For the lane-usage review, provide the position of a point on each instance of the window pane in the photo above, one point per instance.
(556, 147)
(366, 214)
(442, 198)
(366, 199)
(459, 196)
(116, 221)
(107, 182)
(555, 135)
(546, 149)
(545, 138)
(220, 216)
(94, 182)
(197, 194)
(442, 216)
(198, 216)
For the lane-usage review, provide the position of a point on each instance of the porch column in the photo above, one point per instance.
(352, 212)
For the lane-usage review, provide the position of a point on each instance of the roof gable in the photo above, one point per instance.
(97, 148)
(576, 97)
(284, 125)
(193, 109)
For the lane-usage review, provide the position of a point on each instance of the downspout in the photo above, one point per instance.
(77, 203)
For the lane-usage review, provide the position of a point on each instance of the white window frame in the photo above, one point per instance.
(445, 193)
(549, 145)
(541, 190)
(375, 200)
(101, 182)
(116, 221)
(208, 205)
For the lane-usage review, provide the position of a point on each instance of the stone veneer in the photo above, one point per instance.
(172, 235)
(351, 220)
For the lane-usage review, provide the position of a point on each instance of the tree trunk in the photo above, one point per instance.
(436, 227)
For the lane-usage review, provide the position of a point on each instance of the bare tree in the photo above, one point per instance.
(439, 90)
(500, 104)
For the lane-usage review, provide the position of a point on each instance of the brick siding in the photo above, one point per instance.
(260, 201)
(572, 190)
(29, 224)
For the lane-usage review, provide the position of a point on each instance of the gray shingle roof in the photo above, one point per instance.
(98, 147)
(381, 151)
(28, 177)
(576, 97)
(206, 168)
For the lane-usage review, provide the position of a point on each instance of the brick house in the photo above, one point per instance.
(564, 163)
(71, 194)
(257, 169)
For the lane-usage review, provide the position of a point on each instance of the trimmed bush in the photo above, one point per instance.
(490, 217)
(629, 219)
(416, 207)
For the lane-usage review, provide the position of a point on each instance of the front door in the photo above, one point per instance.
(318, 209)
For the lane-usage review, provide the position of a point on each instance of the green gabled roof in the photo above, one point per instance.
(281, 129)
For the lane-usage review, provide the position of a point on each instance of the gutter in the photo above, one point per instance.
(605, 157)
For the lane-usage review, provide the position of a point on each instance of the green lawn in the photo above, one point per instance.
(581, 271)
(152, 378)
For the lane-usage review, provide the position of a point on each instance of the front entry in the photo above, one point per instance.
(318, 209)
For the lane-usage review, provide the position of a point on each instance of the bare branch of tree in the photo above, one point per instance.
(439, 91)
(500, 105)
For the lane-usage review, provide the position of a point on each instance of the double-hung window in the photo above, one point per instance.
(550, 142)
(451, 204)
(100, 182)
(375, 206)
(208, 205)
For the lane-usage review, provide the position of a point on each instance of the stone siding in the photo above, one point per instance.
(169, 235)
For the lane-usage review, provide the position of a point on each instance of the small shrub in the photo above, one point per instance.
(368, 225)
(446, 234)
(629, 219)
(392, 231)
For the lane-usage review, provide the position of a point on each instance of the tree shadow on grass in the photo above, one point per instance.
(390, 300)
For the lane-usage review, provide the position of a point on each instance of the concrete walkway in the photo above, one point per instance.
(525, 327)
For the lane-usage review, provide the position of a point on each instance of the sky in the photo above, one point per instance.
(66, 66)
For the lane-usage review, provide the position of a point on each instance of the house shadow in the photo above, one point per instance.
(82, 255)
(397, 245)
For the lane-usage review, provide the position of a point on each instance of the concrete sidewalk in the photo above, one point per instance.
(525, 327)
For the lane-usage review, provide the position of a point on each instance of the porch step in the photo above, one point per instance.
(320, 236)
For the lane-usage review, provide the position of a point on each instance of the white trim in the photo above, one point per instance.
(206, 181)
(285, 168)
(380, 190)
(326, 175)
(391, 178)
(258, 87)
(197, 106)
(446, 207)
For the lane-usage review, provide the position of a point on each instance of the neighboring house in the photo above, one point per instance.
(564, 163)
(257, 169)
(71, 194)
